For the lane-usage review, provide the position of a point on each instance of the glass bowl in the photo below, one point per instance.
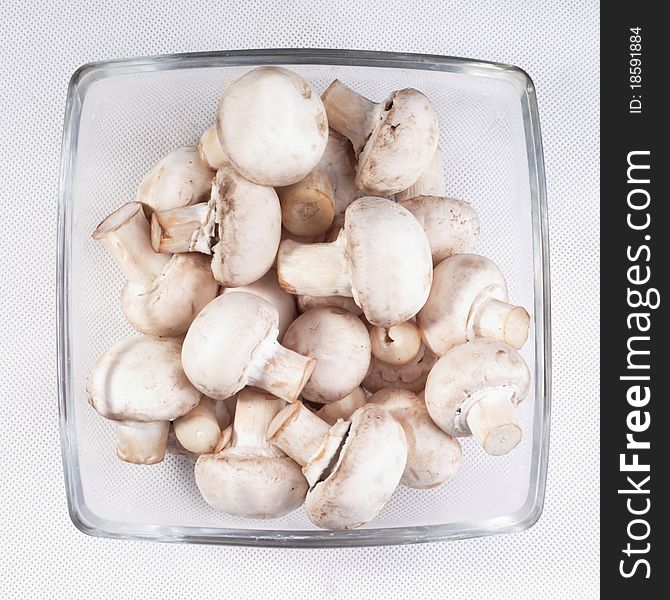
(122, 116)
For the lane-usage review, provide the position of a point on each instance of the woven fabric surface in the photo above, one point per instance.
(41, 553)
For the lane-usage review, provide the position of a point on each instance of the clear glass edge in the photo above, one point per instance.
(522, 519)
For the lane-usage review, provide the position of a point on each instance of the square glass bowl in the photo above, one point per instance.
(122, 116)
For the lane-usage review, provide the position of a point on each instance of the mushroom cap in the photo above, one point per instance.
(272, 113)
(458, 282)
(389, 258)
(268, 288)
(401, 145)
(178, 179)
(249, 218)
(368, 469)
(451, 224)
(341, 345)
(433, 456)
(256, 483)
(140, 378)
(411, 376)
(465, 373)
(177, 295)
(222, 339)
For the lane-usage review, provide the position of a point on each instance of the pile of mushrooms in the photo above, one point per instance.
(313, 325)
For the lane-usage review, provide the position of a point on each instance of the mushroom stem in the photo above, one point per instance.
(210, 149)
(126, 235)
(492, 423)
(350, 114)
(141, 443)
(279, 370)
(307, 206)
(184, 229)
(199, 430)
(314, 269)
(308, 440)
(298, 432)
(429, 183)
(253, 415)
(498, 320)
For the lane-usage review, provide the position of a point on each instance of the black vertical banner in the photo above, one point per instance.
(635, 260)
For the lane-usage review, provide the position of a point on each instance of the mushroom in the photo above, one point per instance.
(341, 346)
(199, 430)
(344, 408)
(411, 376)
(140, 385)
(473, 390)
(396, 345)
(163, 293)
(210, 150)
(268, 288)
(381, 258)
(309, 205)
(433, 456)
(240, 226)
(352, 467)
(452, 225)
(233, 343)
(273, 114)
(251, 478)
(468, 300)
(178, 179)
(429, 183)
(394, 140)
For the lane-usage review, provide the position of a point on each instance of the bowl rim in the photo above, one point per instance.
(87, 522)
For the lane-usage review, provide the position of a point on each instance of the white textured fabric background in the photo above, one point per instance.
(41, 553)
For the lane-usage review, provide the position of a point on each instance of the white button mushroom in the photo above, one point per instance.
(343, 409)
(468, 300)
(430, 182)
(163, 294)
(199, 430)
(272, 126)
(411, 376)
(381, 258)
(211, 152)
(352, 468)
(241, 226)
(394, 140)
(309, 205)
(233, 343)
(452, 225)
(473, 390)
(268, 288)
(139, 384)
(433, 456)
(251, 478)
(341, 346)
(396, 345)
(178, 179)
